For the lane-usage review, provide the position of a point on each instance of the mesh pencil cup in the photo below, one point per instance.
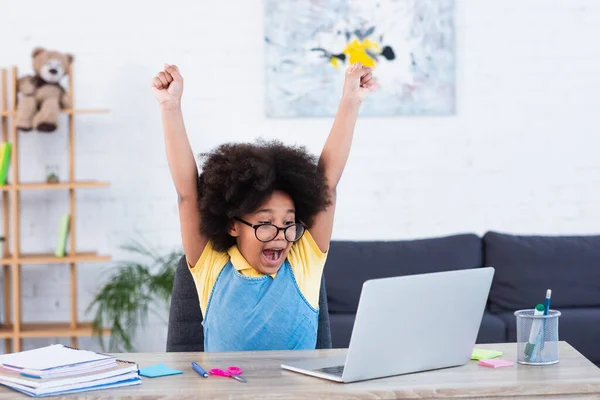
(537, 337)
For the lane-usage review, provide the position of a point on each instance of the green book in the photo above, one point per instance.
(5, 151)
(63, 233)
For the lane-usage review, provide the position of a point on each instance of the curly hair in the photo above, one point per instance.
(237, 178)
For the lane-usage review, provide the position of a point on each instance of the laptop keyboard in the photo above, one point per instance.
(337, 371)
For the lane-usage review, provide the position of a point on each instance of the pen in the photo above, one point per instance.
(548, 295)
(546, 311)
(199, 370)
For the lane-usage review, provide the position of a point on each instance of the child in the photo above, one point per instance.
(257, 222)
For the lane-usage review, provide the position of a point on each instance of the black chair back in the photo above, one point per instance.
(185, 331)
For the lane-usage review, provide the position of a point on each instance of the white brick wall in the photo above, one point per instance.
(520, 156)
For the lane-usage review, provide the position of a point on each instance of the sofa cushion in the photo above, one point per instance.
(492, 329)
(341, 329)
(526, 266)
(349, 264)
(580, 327)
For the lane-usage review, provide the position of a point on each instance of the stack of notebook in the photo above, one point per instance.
(58, 369)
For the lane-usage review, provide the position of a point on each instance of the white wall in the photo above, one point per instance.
(521, 155)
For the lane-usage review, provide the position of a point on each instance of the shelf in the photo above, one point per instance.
(11, 290)
(50, 329)
(6, 331)
(59, 185)
(68, 111)
(49, 258)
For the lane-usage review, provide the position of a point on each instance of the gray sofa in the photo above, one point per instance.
(525, 267)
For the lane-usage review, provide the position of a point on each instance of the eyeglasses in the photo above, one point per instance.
(268, 232)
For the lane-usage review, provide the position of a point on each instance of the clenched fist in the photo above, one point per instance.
(167, 86)
(359, 83)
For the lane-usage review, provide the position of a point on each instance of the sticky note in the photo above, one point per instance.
(157, 370)
(481, 354)
(496, 363)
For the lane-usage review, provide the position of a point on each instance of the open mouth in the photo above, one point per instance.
(272, 256)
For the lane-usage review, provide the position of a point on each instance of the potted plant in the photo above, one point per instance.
(133, 289)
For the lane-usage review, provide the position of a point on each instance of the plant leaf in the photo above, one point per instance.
(132, 290)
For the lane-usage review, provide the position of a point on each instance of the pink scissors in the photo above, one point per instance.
(231, 372)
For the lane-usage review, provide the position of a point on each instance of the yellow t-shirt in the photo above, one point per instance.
(305, 257)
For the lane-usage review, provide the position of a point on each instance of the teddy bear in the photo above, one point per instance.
(41, 95)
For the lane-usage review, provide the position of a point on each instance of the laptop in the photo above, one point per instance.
(409, 324)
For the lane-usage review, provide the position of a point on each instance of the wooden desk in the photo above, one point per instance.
(573, 377)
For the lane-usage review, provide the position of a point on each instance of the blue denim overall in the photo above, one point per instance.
(258, 313)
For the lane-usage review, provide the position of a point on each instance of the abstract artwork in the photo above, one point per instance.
(310, 43)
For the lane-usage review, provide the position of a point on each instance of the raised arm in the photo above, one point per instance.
(167, 86)
(359, 82)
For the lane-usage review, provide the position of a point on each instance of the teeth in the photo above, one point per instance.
(274, 253)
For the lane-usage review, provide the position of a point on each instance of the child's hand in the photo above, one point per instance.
(167, 86)
(359, 83)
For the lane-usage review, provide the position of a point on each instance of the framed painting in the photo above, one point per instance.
(310, 43)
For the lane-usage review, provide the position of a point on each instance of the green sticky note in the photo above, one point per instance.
(481, 354)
